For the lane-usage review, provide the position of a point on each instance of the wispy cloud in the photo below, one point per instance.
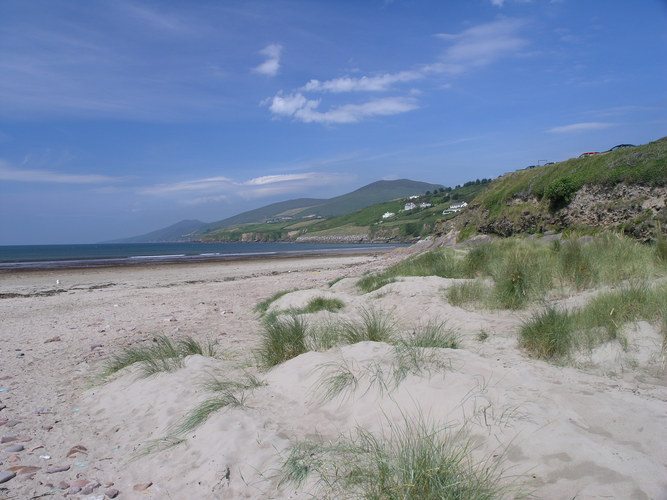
(271, 66)
(472, 48)
(364, 84)
(305, 110)
(214, 189)
(479, 46)
(580, 127)
(10, 173)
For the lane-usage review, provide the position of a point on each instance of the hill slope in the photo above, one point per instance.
(623, 189)
(300, 208)
(176, 232)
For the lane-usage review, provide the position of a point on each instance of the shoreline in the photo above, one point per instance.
(167, 260)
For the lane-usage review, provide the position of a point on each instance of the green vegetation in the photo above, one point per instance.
(553, 333)
(321, 221)
(159, 356)
(284, 338)
(643, 164)
(317, 304)
(412, 461)
(372, 326)
(263, 306)
(228, 393)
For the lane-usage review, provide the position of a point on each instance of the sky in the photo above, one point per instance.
(121, 117)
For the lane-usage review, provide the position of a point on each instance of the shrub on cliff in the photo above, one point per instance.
(559, 192)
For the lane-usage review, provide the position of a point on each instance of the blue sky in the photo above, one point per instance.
(121, 117)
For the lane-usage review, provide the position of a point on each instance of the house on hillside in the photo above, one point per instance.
(410, 206)
(455, 207)
(425, 205)
(386, 215)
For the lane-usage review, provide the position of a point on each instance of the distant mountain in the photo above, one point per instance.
(176, 232)
(371, 194)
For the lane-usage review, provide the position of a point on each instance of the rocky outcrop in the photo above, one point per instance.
(634, 209)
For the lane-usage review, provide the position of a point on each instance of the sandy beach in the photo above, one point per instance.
(591, 431)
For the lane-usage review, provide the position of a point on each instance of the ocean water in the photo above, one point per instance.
(96, 255)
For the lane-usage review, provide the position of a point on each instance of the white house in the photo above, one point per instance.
(425, 205)
(455, 207)
(386, 215)
(410, 206)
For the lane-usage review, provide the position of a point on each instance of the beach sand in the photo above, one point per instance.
(592, 431)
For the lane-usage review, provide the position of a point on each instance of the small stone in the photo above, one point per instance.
(63, 485)
(8, 438)
(15, 448)
(53, 339)
(57, 468)
(29, 470)
(112, 493)
(6, 476)
(90, 488)
(142, 486)
(79, 482)
(14, 458)
(39, 411)
(95, 346)
(47, 427)
(73, 490)
(79, 448)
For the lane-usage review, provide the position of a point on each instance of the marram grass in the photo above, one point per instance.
(412, 460)
(162, 354)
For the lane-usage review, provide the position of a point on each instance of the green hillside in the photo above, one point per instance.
(617, 186)
(368, 222)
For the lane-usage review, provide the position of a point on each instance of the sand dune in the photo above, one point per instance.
(593, 430)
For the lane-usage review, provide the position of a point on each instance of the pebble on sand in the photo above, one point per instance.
(142, 486)
(15, 448)
(57, 468)
(6, 476)
(112, 493)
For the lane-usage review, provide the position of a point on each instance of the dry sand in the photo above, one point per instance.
(593, 431)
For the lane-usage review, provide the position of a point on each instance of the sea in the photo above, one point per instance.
(35, 257)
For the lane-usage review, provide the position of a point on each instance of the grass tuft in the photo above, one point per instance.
(228, 394)
(374, 326)
(284, 338)
(159, 356)
(548, 334)
(412, 461)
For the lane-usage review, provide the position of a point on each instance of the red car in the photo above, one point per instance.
(590, 153)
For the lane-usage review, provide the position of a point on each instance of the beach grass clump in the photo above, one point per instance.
(160, 355)
(317, 304)
(516, 280)
(547, 334)
(577, 265)
(604, 316)
(284, 338)
(264, 305)
(468, 292)
(432, 334)
(553, 333)
(226, 394)
(445, 263)
(373, 325)
(412, 460)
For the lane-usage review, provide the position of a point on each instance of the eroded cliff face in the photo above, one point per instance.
(634, 209)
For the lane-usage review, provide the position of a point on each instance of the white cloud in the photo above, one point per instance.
(479, 46)
(365, 83)
(271, 66)
(214, 189)
(9, 173)
(209, 184)
(474, 47)
(580, 127)
(305, 110)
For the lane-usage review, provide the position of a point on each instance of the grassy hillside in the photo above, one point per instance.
(368, 221)
(577, 192)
